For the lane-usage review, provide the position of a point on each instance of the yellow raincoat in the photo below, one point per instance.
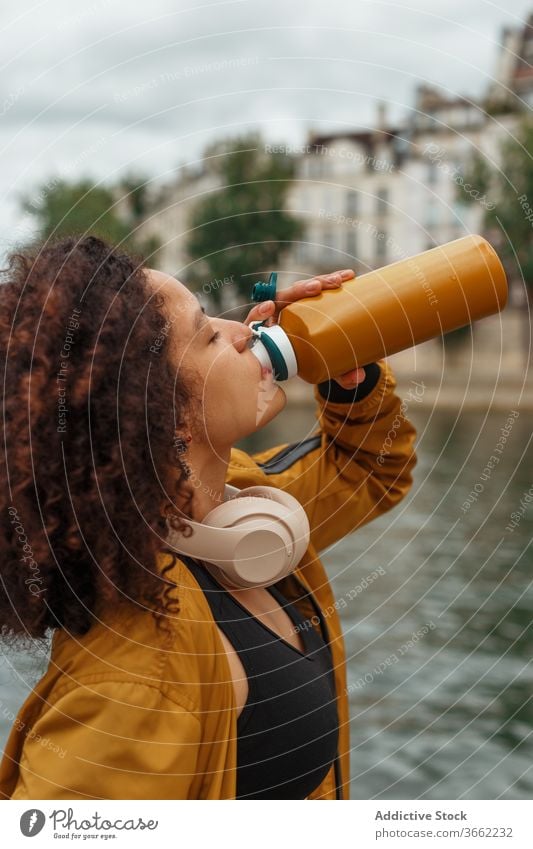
(131, 712)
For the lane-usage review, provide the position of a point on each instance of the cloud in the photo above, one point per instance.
(149, 85)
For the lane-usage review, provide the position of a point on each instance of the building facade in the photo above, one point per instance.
(374, 196)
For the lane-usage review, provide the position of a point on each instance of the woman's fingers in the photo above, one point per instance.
(312, 286)
(268, 311)
(306, 289)
(260, 312)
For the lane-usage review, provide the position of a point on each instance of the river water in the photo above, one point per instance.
(437, 621)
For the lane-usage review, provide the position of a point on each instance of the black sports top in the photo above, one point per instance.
(287, 731)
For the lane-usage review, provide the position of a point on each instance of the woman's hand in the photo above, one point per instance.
(269, 311)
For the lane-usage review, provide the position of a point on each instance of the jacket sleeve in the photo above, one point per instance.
(357, 465)
(110, 740)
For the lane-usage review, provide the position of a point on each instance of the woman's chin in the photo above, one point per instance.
(270, 402)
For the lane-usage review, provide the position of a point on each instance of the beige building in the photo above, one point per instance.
(372, 197)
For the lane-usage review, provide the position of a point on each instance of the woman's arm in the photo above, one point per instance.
(110, 740)
(357, 466)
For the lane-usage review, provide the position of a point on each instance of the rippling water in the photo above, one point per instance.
(446, 713)
(440, 642)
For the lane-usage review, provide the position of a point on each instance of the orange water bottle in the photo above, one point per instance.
(383, 312)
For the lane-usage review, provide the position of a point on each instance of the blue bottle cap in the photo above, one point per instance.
(265, 291)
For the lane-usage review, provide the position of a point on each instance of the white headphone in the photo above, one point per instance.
(255, 538)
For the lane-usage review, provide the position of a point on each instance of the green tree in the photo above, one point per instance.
(63, 208)
(240, 229)
(512, 217)
(508, 220)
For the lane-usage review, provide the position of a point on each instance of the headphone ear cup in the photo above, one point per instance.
(264, 551)
(276, 536)
(296, 516)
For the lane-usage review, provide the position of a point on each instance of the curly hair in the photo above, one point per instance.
(90, 410)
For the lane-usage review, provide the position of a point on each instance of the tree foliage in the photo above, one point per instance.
(63, 208)
(510, 188)
(240, 229)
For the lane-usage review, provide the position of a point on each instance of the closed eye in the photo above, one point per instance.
(215, 337)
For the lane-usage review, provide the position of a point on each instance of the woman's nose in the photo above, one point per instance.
(242, 336)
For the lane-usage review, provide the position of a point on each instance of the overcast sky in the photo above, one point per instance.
(105, 87)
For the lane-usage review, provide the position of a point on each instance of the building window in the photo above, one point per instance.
(381, 248)
(310, 250)
(351, 203)
(432, 174)
(307, 168)
(330, 238)
(382, 199)
(317, 166)
(431, 214)
(351, 242)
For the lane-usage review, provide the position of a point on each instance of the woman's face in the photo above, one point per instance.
(237, 399)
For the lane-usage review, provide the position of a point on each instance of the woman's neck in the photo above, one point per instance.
(208, 470)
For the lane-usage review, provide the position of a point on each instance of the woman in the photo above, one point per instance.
(162, 683)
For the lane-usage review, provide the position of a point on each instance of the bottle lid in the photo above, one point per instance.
(265, 291)
(272, 347)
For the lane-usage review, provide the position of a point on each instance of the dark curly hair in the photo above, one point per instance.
(90, 408)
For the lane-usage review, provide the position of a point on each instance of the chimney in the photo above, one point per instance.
(381, 115)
